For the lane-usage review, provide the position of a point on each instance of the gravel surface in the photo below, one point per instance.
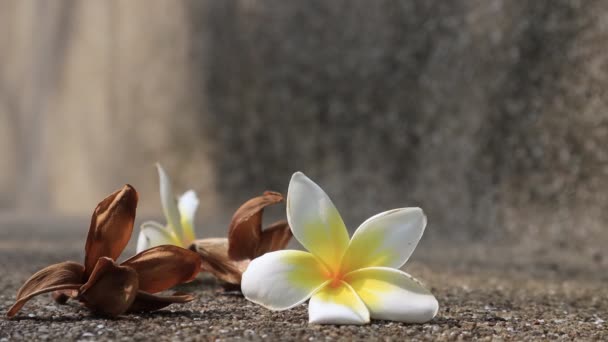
(482, 295)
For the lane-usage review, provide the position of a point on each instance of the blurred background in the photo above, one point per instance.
(490, 115)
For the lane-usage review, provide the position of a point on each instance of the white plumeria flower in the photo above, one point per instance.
(347, 280)
(179, 214)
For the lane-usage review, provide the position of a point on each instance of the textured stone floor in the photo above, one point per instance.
(484, 292)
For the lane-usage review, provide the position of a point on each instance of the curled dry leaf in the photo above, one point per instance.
(245, 231)
(67, 272)
(62, 296)
(101, 284)
(111, 227)
(214, 255)
(145, 301)
(227, 259)
(274, 238)
(111, 289)
(63, 276)
(163, 267)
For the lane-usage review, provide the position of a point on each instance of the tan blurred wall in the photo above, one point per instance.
(491, 115)
(94, 94)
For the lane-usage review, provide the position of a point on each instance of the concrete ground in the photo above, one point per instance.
(485, 292)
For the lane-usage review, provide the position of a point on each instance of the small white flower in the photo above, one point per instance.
(347, 280)
(179, 214)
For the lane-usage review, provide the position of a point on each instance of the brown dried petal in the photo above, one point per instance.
(58, 276)
(246, 226)
(274, 238)
(67, 272)
(111, 227)
(19, 304)
(62, 296)
(214, 256)
(111, 289)
(163, 267)
(145, 301)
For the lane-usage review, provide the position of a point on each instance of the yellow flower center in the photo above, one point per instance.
(336, 279)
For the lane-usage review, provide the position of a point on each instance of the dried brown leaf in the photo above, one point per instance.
(19, 303)
(145, 301)
(111, 289)
(246, 226)
(62, 296)
(214, 256)
(67, 272)
(274, 238)
(163, 267)
(111, 227)
(65, 275)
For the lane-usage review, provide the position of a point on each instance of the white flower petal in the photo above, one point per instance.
(152, 234)
(337, 305)
(283, 279)
(168, 202)
(387, 239)
(187, 205)
(143, 242)
(315, 222)
(393, 295)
